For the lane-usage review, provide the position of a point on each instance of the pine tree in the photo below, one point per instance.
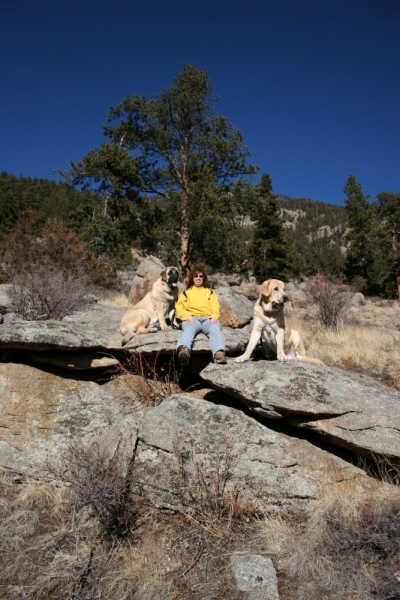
(173, 146)
(360, 213)
(271, 253)
(389, 213)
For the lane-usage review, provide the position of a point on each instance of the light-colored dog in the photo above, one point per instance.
(270, 325)
(154, 308)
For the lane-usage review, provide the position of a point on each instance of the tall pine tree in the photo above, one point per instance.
(176, 147)
(359, 266)
(270, 251)
(389, 213)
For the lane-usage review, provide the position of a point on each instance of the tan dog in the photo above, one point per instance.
(153, 308)
(270, 325)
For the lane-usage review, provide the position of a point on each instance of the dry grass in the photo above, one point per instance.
(131, 571)
(50, 550)
(204, 483)
(115, 299)
(347, 547)
(366, 342)
(216, 518)
(54, 543)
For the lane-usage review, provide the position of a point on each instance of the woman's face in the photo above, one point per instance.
(198, 279)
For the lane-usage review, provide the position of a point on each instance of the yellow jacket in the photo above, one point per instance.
(199, 302)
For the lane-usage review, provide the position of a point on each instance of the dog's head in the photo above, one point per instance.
(273, 291)
(170, 275)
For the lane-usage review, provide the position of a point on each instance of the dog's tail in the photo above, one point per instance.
(308, 359)
(127, 335)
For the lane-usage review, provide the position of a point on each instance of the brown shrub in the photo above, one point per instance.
(149, 379)
(102, 481)
(29, 247)
(49, 550)
(327, 300)
(48, 293)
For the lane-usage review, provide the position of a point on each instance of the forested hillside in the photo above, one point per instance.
(48, 199)
(316, 238)
(318, 233)
(83, 212)
(316, 229)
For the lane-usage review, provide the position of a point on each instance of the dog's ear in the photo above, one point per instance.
(265, 288)
(163, 275)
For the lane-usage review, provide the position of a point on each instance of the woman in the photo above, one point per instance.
(198, 309)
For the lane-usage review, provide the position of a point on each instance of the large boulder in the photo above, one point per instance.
(147, 273)
(96, 328)
(249, 289)
(5, 299)
(91, 340)
(296, 294)
(186, 440)
(357, 299)
(42, 414)
(347, 409)
(236, 309)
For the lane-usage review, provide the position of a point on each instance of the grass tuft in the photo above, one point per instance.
(346, 547)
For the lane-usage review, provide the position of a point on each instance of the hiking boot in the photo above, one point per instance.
(220, 357)
(183, 355)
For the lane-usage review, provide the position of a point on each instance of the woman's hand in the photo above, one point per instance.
(190, 319)
(213, 320)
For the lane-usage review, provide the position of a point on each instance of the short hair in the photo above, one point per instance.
(194, 272)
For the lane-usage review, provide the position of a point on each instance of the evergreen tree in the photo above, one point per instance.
(173, 146)
(113, 174)
(360, 213)
(270, 250)
(389, 213)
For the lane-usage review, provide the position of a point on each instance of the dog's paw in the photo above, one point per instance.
(165, 327)
(242, 358)
(284, 357)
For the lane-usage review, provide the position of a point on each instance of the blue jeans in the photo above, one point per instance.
(202, 324)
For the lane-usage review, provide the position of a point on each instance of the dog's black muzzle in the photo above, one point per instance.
(281, 302)
(173, 277)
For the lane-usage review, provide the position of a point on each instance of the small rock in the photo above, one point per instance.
(256, 576)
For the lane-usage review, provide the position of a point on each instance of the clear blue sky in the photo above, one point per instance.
(314, 85)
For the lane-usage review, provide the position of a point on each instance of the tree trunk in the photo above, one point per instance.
(184, 233)
(116, 203)
(395, 247)
(185, 259)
